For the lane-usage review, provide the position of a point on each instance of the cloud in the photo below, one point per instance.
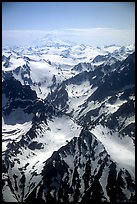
(92, 36)
(104, 35)
(23, 37)
(98, 31)
(27, 32)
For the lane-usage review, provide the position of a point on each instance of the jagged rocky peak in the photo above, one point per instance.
(82, 67)
(75, 173)
(12, 88)
(66, 134)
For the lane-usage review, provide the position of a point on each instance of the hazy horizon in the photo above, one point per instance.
(90, 23)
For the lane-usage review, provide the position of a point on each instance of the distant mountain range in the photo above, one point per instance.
(68, 122)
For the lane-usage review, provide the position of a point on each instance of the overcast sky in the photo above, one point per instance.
(93, 23)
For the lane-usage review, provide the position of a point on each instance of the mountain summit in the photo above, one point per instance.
(68, 123)
(51, 40)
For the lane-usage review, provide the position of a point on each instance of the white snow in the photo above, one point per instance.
(103, 181)
(14, 126)
(70, 161)
(111, 49)
(121, 151)
(59, 59)
(78, 94)
(90, 106)
(41, 71)
(114, 107)
(130, 120)
(8, 196)
(61, 129)
(15, 62)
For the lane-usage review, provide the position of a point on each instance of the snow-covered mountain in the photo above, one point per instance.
(52, 41)
(68, 123)
(60, 58)
(103, 100)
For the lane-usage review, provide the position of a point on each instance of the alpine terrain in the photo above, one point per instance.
(68, 122)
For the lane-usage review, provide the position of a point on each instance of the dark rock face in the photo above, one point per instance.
(79, 179)
(80, 67)
(22, 97)
(100, 58)
(24, 71)
(59, 97)
(6, 61)
(35, 145)
(110, 80)
(117, 82)
(82, 170)
(78, 79)
(18, 96)
(13, 89)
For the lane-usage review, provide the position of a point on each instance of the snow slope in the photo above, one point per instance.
(74, 139)
(121, 150)
(59, 131)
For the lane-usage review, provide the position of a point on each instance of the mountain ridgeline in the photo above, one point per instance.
(68, 123)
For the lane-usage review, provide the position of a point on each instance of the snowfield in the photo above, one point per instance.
(121, 150)
(70, 130)
(59, 132)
